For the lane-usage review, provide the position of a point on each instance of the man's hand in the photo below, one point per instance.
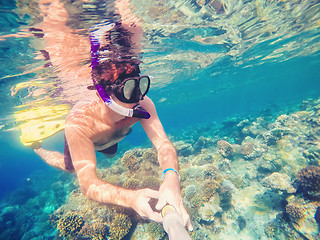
(169, 193)
(140, 203)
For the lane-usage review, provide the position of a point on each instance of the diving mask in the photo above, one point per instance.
(137, 111)
(131, 90)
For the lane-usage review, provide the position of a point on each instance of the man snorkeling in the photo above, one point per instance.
(99, 124)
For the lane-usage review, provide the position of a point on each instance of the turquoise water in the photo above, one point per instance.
(214, 64)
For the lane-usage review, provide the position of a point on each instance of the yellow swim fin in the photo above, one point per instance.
(41, 122)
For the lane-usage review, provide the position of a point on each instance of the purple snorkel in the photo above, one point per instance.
(97, 33)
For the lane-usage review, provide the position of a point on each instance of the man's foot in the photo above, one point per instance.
(35, 145)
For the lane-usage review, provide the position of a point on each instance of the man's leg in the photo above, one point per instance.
(54, 159)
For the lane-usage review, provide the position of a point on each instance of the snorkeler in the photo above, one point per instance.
(99, 124)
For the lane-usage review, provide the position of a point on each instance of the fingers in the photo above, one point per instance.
(189, 225)
(153, 215)
(151, 193)
(161, 203)
(186, 219)
(144, 209)
(150, 213)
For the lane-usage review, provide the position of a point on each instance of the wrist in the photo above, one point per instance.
(171, 177)
(129, 197)
(170, 173)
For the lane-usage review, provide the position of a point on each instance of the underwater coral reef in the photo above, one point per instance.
(247, 178)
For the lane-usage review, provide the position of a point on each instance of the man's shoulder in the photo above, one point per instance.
(83, 104)
(81, 110)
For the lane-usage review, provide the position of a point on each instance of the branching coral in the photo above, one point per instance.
(271, 230)
(55, 217)
(96, 231)
(70, 225)
(308, 179)
(294, 212)
(120, 226)
(150, 156)
(151, 182)
(155, 230)
(132, 183)
(131, 161)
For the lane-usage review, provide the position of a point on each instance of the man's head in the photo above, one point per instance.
(122, 79)
(116, 78)
(108, 72)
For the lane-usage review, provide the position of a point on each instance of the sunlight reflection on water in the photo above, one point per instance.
(183, 41)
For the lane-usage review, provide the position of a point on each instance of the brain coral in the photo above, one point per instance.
(119, 227)
(247, 150)
(308, 179)
(70, 225)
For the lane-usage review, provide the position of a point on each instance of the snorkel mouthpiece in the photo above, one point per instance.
(140, 112)
(96, 36)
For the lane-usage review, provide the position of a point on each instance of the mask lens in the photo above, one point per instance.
(128, 88)
(144, 85)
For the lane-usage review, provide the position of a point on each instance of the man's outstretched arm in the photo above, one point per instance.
(169, 192)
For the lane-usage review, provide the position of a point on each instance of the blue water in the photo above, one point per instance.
(17, 163)
(275, 87)
(186, 93)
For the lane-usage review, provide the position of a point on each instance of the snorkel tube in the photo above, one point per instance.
(173, 224)
(96, 36)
